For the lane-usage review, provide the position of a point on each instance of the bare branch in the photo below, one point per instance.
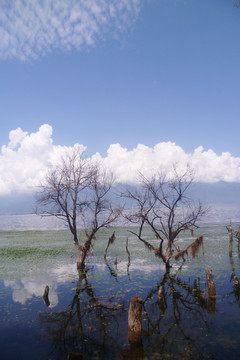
(163, 204)
(78, 189)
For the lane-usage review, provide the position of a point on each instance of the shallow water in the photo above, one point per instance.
(88, 312)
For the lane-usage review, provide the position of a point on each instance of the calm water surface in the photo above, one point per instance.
(88, 311)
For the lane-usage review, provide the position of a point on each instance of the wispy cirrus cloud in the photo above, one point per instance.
(30, 29)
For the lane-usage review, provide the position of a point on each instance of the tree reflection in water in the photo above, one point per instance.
(177, 317)
(174, 320)
(89, 326)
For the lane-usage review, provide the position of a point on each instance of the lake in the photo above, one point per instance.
(88, 312)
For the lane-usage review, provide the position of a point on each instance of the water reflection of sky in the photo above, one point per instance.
(26, 289)
(33, 286)
(101, 301)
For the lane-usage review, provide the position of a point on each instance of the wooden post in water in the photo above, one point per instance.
(135, 320)
(236, 287)
(211, 291)
(210, 283)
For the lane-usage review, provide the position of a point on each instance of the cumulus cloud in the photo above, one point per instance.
(32, 28)
(207, 165)
(26, 158)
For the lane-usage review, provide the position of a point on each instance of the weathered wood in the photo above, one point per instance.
(110, 241)
(81, 254)
(135, 320)
(210, 283)
(236, 287)
(45, 296)
(211, 291)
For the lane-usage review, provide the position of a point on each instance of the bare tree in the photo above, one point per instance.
(77, 190)
(162, 203)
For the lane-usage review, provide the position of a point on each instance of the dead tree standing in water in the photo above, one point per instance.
(78, 189)
(162, 204)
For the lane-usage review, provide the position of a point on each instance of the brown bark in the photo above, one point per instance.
(135, 320)
(236, 287)
(210, 283)
(211, 291)
(81, 255)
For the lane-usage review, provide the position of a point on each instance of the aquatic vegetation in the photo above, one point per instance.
(88, 311)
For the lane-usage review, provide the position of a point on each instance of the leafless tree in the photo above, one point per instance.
(77, 190)
(162, 203)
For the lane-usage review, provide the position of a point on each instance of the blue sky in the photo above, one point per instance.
(122, 72)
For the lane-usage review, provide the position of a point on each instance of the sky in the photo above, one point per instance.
(139, 84)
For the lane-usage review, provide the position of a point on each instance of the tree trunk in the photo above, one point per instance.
(135, 320)
(168, 266)
(81, 255)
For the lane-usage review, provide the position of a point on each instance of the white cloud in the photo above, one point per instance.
(32, 28)
(26, 158)
(25, 289)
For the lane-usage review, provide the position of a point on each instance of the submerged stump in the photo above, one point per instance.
(211, 291)
(135, 320)
(210, 283)
(236, 287)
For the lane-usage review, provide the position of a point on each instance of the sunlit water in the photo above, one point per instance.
(88, 313)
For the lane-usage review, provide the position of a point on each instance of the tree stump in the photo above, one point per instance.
(236, 287)
(211, 291)
(135, 320)
(210, 283)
